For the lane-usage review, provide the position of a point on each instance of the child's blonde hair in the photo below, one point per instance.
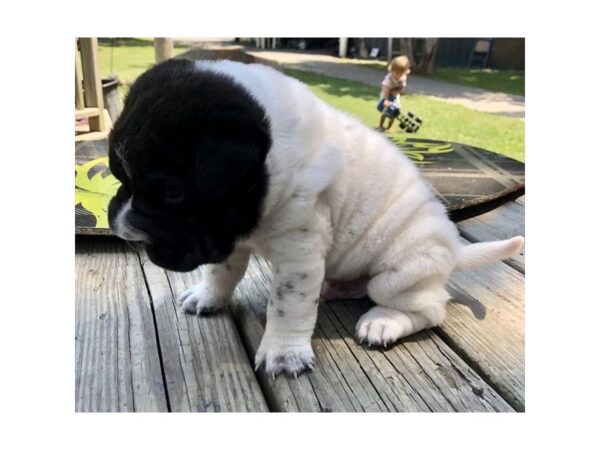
(399, 64)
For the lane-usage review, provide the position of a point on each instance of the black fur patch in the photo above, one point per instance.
(195, 144)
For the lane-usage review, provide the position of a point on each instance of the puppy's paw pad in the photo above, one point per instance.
(291, 359)
(197, 300)
(376, 328)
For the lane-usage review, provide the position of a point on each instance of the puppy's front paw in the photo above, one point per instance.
(284, 356)
(200, 300)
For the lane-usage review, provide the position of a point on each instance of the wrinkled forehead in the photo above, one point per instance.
(143, 163)
(119, 149)
(121, 153)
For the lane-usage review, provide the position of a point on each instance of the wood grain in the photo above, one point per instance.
(421, 373)
(117, 360)
(503, 222)
(486, 326)
(137, 351)
(206, 366)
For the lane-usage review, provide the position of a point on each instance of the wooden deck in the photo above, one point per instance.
(137, 351)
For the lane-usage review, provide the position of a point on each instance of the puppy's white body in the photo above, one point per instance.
(343, 203)
(373, 203)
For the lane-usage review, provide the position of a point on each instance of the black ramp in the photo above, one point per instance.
(465, 178)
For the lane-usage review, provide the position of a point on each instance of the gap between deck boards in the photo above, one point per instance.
(156, 333)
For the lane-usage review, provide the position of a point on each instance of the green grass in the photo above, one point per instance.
(369, 63)
(127, 58)
(509, 81)
(441, 120)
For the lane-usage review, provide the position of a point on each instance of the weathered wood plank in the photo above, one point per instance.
(503, 222)
(421, 366)
(92, 83)
(486, 325)
(93, 136)
(86, 112)
(521, 200)
(205, 364)
(419, 374)
(116, 356)
(79, 100)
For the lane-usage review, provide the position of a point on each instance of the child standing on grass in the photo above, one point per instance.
(392, 86)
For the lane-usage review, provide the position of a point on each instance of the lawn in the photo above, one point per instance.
(128, 58)
(508, 81)
(441, 120)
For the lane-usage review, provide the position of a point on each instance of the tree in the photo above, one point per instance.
(406, 48)
(426, 61)
(426, 65)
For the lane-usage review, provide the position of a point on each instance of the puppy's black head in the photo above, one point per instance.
(189, 149)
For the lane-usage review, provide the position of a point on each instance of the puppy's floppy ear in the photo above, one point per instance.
(226, 166)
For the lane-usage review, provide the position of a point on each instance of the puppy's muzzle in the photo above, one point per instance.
(121, 226)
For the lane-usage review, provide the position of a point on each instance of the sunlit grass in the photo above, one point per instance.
(441, 120)
(127, 58)
(508, 81)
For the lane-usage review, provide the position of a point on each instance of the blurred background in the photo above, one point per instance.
(468, 90)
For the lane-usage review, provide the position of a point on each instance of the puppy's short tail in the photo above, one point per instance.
(483, 253)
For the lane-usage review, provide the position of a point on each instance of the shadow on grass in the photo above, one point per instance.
(507, 81)
(328, 79)
(338, 87)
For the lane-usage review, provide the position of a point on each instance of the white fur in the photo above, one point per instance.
(123, 229)
(218, 283)
(343, 203)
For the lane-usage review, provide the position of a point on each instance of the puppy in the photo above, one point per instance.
(221, 159)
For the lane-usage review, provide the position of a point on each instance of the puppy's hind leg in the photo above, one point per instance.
(383, 325)
(217, 284)
(408, 300)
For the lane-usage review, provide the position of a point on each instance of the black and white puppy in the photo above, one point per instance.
(219, 159)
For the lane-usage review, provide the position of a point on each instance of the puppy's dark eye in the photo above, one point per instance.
(174, 198)
(160, 189)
